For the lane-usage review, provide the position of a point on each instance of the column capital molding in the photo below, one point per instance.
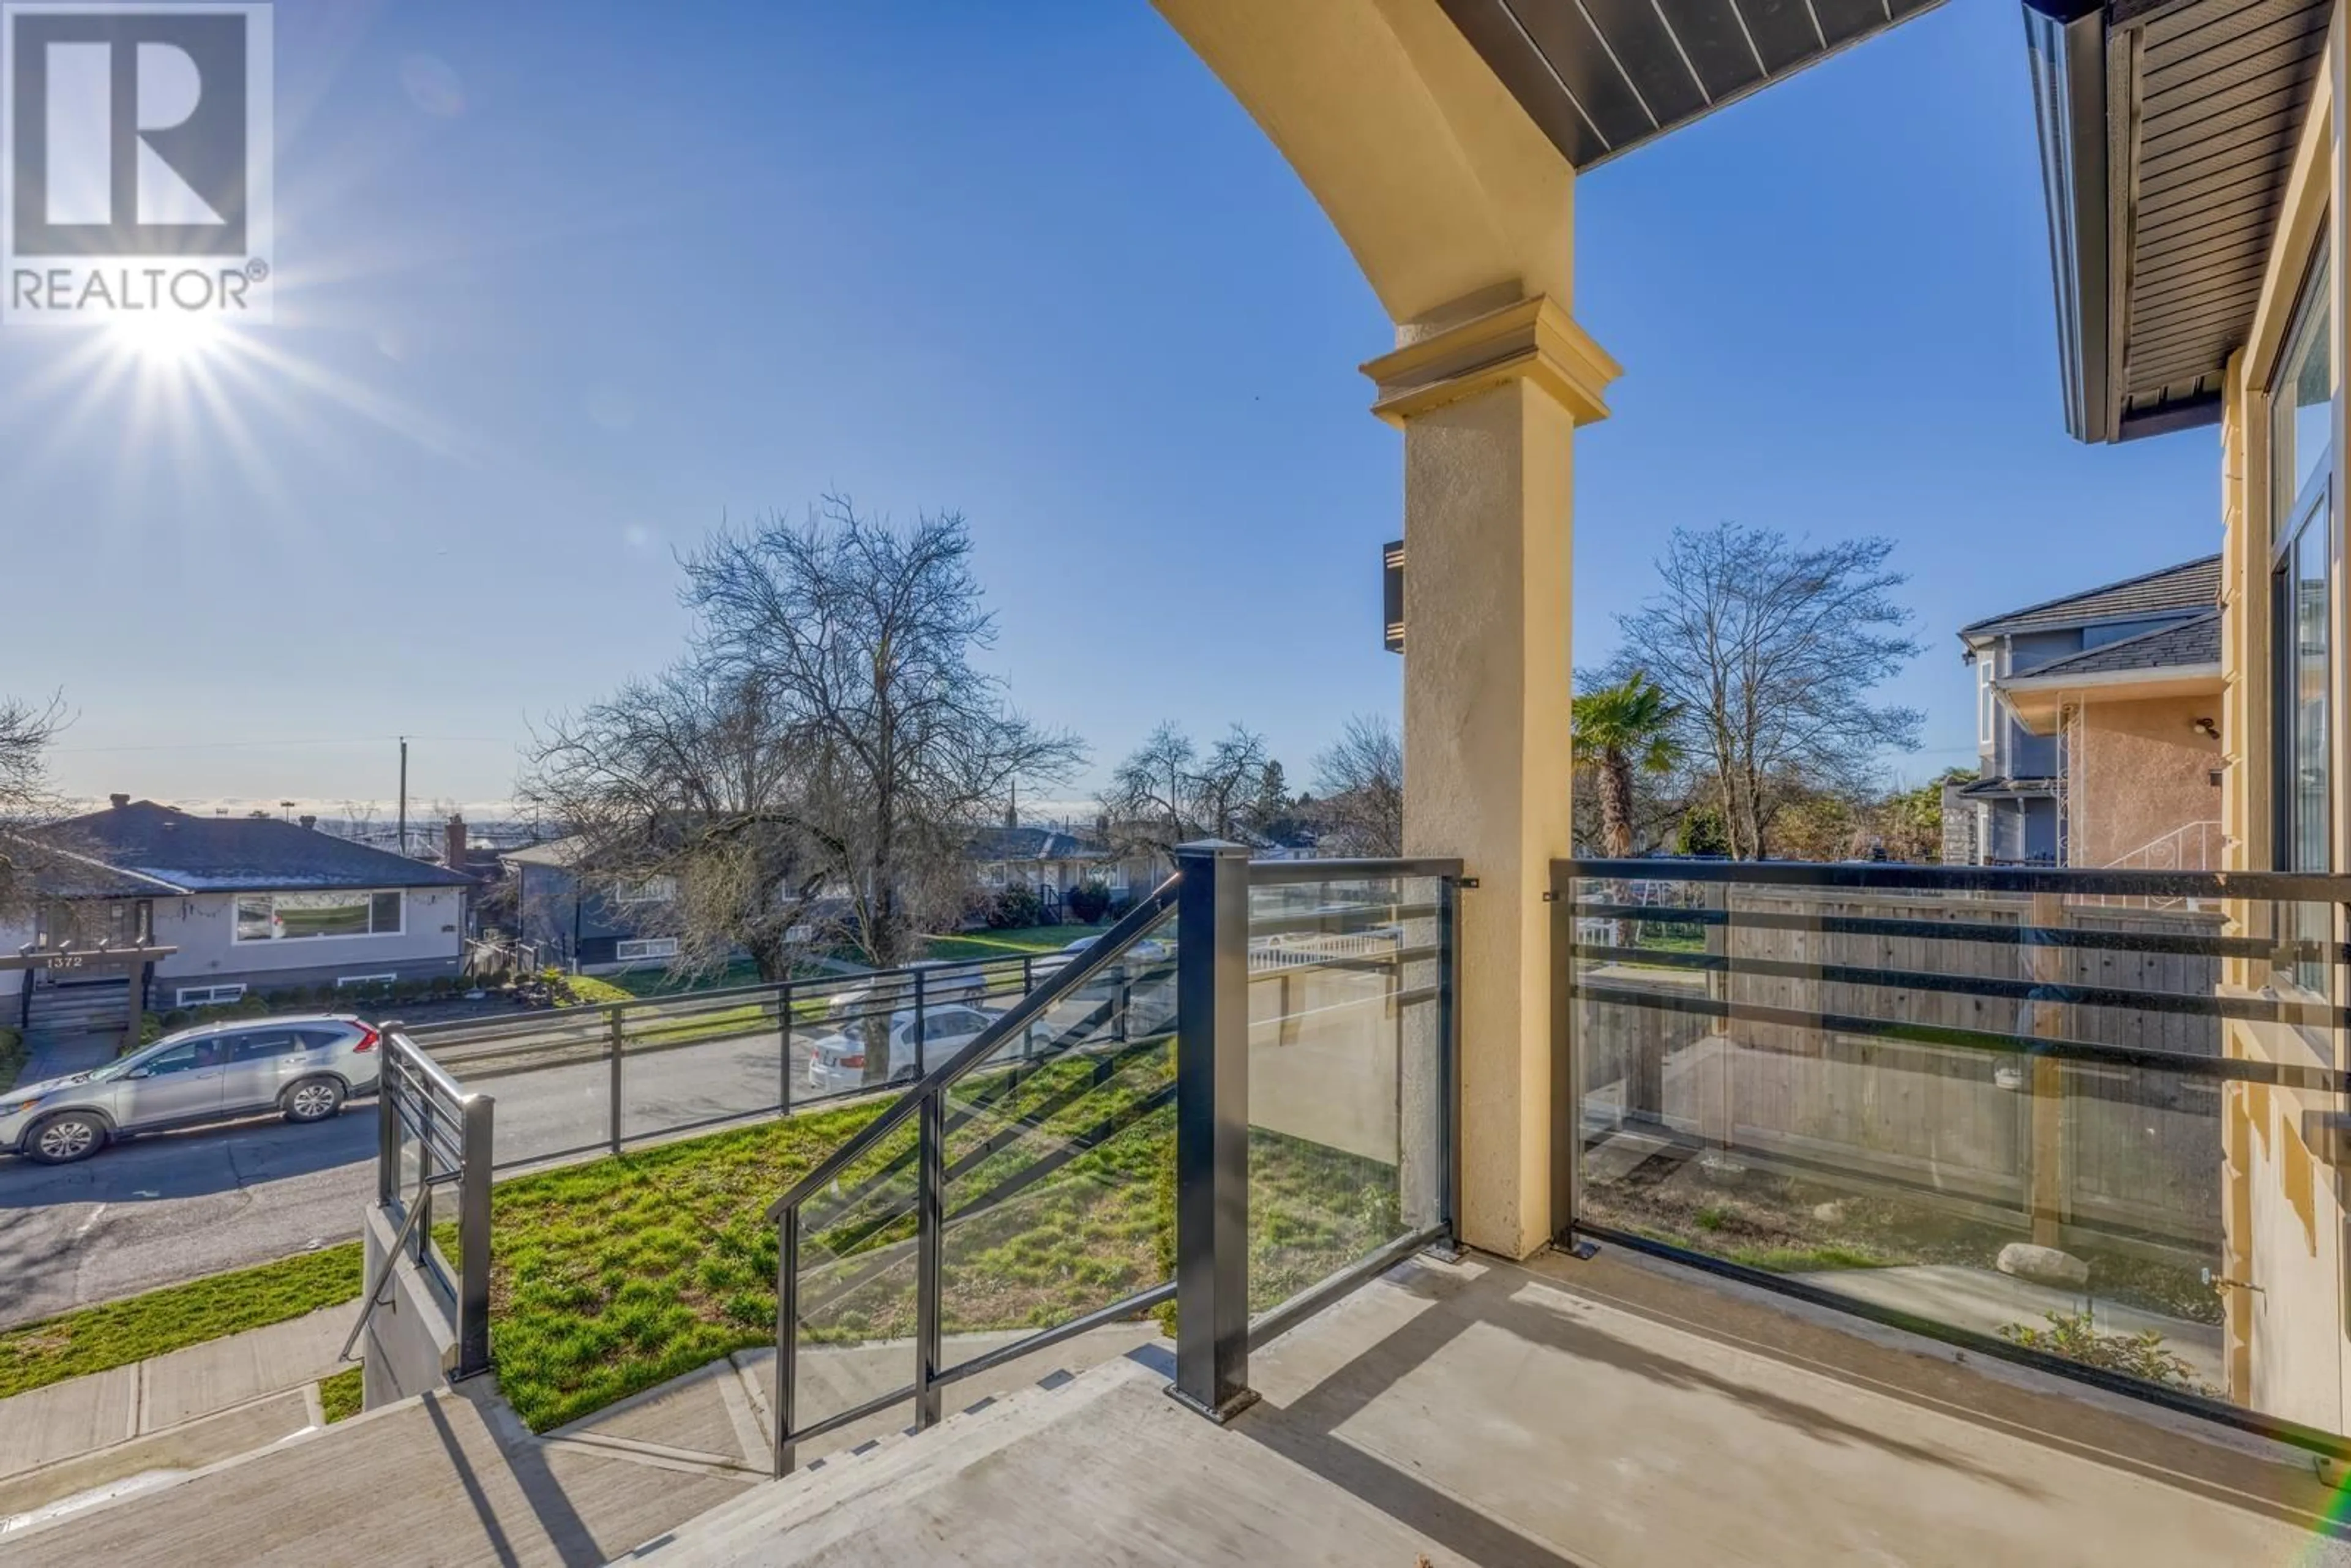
(1531, 338)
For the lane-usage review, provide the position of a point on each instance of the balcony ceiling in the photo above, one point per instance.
(1602, 77)
(2167, 132)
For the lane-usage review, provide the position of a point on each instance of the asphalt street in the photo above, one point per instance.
(158, 1210)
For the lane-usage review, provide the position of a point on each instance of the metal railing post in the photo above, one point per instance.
(617, 1032)
(1212, 1129)
(784, 1051)
(930, 1241)
(922, 1061)
(474, 1238)
(387, 1121)
(1567, 1102)
(788, 1312)
(1449, 1048)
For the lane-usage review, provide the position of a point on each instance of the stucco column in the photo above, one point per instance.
(1489, 400)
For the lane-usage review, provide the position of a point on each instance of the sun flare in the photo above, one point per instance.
(167, 336)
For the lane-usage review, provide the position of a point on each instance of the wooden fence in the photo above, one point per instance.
(2040, 1143)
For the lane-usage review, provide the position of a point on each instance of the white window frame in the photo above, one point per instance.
(645, 948)
(1986, 706)
(342, 980)
(236, 915)
(646, 890)
(208, 995)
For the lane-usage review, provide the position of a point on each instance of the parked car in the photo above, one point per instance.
(838, 1061)
(303, 1067)
(944, 980)
(1146, 950)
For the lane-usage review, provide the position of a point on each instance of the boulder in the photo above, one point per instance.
(1829, 1213)
(2043, 1265)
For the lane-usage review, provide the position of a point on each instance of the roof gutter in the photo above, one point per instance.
(2066, 46)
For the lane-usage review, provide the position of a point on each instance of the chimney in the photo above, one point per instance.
(307, 822)
(118, 801)
(455, 842)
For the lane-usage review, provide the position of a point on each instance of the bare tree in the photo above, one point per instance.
(1770, 650)
(694, 777)
(26, 798)
(1168, 791)
(1360, 782)
(858, 638)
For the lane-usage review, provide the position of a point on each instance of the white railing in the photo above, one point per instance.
(1306, 949)
(2191, 846)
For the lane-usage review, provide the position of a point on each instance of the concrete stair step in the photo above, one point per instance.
(786, 1520)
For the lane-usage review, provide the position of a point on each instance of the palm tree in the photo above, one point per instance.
(1620, 730)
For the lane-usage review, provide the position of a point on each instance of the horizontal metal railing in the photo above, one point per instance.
(1801, 1073)
(422, 1110)
(1216, 950)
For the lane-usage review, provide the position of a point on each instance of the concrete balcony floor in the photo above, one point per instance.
(1600, 1413)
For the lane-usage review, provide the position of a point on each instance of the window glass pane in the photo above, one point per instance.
(2301, 399)
(301, 915)
(261, 1044)
(2311, 638)
(387, 913)
(253, 923)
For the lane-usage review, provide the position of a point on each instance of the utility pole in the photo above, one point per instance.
(403, 794)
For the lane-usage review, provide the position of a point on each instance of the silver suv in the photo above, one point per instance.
(305, 1067)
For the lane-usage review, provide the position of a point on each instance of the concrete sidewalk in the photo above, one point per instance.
(173, 1412)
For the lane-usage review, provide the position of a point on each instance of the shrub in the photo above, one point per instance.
(12, 1055)
(2142, 1355)
(1087, 902)
(1013, 907)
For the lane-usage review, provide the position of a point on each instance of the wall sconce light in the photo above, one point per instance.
(2207, 729)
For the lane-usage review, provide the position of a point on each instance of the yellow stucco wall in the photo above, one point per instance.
(2284, 1286)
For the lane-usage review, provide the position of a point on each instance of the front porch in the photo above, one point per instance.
(1612, 1411)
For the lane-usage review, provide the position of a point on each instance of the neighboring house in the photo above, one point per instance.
(1048, 861)
(248, 902)
(591, 922)
(2097, 725)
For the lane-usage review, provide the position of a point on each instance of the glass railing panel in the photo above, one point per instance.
(2091, 1125)
(1059, 1163)
(691, 1061)
(853, 1330)
(1347, 1108)
(550, 1071)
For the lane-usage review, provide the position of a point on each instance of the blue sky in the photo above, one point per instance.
(564, 286)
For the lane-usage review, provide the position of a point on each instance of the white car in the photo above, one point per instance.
(838, 1061)
(944, 980)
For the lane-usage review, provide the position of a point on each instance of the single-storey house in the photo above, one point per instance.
(587, 921)
(1048, 863)
(243, 903)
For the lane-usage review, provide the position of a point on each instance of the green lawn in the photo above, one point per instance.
(1011, 942)
(97, 1339)
(340, 1397)
(615, 1276)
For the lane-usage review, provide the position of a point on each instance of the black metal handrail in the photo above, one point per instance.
(452, 1130)
(1073, 976)
(1882, 1034)
(2284, 886)
(1209, 899)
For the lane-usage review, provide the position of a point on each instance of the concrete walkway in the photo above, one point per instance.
(1602, 1414)
(169, 1412)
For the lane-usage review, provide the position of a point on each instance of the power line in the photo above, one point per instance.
(258, 745)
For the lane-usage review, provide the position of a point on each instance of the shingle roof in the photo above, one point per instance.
(2189, 642)
(1031, 844)
(226, 854)
(2191, 585)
